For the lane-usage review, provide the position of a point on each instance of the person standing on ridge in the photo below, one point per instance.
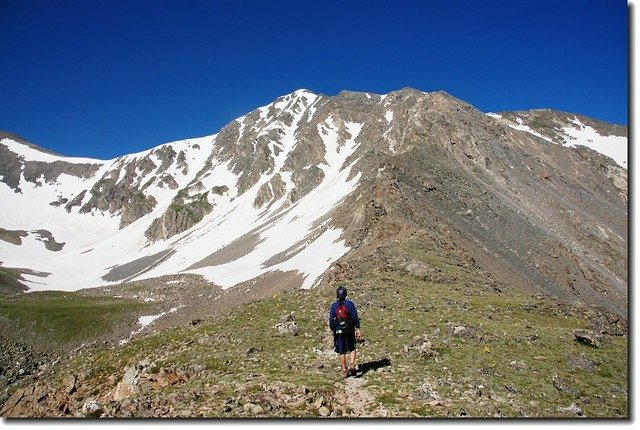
(345, 325)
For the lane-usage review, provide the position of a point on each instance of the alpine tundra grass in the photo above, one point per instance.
(68, 317)
(433, 349)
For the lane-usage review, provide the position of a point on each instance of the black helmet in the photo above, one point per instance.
(341, 293)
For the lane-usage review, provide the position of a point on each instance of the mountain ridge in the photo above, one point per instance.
(17, 137)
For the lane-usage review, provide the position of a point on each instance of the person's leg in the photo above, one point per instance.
(343, 365)
(343, 361)
(352, 358)
(342, 347)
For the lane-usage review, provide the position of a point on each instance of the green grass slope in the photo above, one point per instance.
(451, 345)
(67, 317)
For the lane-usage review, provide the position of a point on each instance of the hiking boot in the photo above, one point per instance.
(352, 371)
(344, 373)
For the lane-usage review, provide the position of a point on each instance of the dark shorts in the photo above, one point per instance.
(344, 343)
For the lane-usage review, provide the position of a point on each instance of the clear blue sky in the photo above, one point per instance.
(105, 78)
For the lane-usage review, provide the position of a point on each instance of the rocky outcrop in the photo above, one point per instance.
(15, 237)
(49, 241)
(184, 212)
(12, 236)
(122, 190)
(270, 192)
(118, 196)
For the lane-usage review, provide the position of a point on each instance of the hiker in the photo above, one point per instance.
(345, 325)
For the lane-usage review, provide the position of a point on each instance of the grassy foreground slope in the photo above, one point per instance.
(442, 340)
(65, 318)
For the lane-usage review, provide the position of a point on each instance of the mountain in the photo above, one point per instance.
(285, 192)
(486, 252)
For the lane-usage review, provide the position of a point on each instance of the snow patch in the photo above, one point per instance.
(145, 320)
(240, 121)
(523, 127)
(614, 147)
(179, 281)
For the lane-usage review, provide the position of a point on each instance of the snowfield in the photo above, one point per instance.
(283, 237)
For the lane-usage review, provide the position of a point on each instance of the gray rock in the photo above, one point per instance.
(252, 408)
(219, 189)
(427, 391)
(562, 386)
(287, 328)
(582, 362)
(324, 411)
(519, 365)
(573, 409)
(181, 215)
(92, 409)
(319, 402)
(587, 337)
(127, 386)
(69, 384)
(460, 330)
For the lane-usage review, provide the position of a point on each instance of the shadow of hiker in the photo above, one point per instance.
(372, 365)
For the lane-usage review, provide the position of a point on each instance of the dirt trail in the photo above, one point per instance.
(357, 396)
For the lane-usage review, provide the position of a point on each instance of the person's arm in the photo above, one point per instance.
(356, 321)
(354, 313)
(331, 318)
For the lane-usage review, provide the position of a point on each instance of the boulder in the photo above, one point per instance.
(587, 337)
(92, 409)
(69, 384)
(423, 344)
(427, 391)
(324, 411)
(287, 328)
(252, 408)
(562, 386)
(128, 385)
(582, 362)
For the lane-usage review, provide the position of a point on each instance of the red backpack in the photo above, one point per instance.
(343, 322)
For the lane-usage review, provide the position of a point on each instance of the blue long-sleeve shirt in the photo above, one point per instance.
(352, 311)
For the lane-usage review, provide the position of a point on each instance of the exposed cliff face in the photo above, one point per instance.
(537, 198)
(184, 212)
